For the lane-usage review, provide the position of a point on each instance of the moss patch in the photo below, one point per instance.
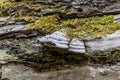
(6, 3)
(26, 18)
(78, 27)
(20, 8)
(47, 23)
(94, 26)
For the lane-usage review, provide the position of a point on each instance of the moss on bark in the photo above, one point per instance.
(78, 27)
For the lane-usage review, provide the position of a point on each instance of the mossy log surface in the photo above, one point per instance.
(49, 19)
(78, 27)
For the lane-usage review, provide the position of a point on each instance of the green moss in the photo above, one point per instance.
(20, 0)
(94, 26)
(79, 27)
(9, 8)
(39, 6)
(25, 18)
(68, 10)
(57, 10)
(47, 23)
(5, 4)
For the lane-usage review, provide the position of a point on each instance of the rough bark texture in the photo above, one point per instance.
(83, 8)
(30, 54)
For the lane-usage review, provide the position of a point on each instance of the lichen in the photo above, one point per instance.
(78, 27)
